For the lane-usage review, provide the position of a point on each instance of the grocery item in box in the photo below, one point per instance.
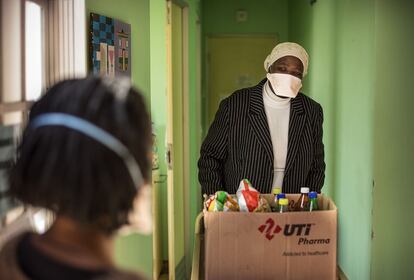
(247, 196)
(263, 206)
(303, 202)
(221, 201)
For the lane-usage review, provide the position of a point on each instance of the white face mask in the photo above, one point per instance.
(140, 217)
(285, 84)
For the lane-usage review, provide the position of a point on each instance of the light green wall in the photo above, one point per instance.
(353, 134)
(339, 38)
(135, 251)
(264, 17)
(393, 227)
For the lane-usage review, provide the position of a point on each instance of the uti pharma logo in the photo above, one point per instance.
(270, 228)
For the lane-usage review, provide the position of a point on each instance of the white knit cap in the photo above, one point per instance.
(287, 49)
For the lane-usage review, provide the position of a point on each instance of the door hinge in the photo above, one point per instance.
(168, 157)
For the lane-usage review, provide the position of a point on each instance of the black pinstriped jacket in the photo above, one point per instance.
(238, 145)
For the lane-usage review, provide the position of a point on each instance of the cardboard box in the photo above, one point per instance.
(293, 245)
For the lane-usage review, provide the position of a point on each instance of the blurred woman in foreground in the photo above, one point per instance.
(84, 155)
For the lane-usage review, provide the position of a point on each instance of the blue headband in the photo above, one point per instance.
(96, 133)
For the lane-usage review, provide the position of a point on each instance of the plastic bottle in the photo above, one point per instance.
(275, 193)
(283, 205)
(303, 202)
(313, 201)
(278, 197)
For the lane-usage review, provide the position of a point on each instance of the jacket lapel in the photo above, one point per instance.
(258, 120)
(296, 123)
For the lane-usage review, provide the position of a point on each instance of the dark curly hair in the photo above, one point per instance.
(74, 175)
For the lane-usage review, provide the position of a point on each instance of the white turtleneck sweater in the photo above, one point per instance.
(277, 112)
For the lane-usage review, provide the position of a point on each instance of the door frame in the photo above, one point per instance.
(169, 137)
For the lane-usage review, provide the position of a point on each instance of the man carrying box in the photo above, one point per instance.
(270, 133)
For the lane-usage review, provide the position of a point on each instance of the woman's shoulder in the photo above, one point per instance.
(9, 267)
